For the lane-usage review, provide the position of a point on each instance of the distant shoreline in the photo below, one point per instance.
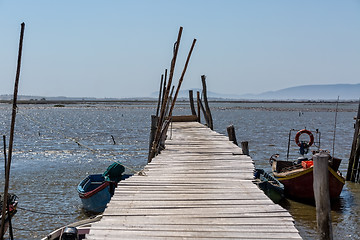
(132, 101)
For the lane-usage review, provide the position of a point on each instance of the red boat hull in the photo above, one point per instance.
(299, 185)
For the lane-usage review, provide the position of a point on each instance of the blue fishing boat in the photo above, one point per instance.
(96, 190)
(269, 184)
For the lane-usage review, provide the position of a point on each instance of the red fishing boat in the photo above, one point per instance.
(297, 176)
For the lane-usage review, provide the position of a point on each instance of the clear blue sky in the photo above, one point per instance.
(120, 48)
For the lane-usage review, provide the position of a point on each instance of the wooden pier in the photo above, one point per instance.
(199, 187)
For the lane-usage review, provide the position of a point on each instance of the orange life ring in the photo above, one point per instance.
(298, 134)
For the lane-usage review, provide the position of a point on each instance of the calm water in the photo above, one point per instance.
(48, 163)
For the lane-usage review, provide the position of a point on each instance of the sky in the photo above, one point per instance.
(120, 48)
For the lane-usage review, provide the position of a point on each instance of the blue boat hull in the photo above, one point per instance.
(95, 193)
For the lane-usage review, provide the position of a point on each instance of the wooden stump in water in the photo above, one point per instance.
(231, 133)
(322, 195)
(245, 148)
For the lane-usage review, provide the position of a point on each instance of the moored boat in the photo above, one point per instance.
(269, 185)
(74, 231)
(297, 176)
(96, 190)
(9, 214)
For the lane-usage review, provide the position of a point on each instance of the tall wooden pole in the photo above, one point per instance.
(12, 130)
(181, 78)
(322, 195)
(163, 107)
(7, 206)
(164, 88)
(5, 157)
(160, 93)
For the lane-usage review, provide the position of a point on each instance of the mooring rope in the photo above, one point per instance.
(46, 213)
(94, 151)
(33, 230)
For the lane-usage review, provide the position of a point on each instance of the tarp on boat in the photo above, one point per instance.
(114, 172)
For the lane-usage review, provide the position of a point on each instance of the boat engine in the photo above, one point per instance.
(70, 233)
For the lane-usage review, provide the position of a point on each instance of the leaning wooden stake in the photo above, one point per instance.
(113, 139)
(154, 144)
(208, 112)
(7, 206)
(182, 78)
(203, 111)
(12, 130)
(164, 88)
(191, 99)
(160, 93)
(322, 195)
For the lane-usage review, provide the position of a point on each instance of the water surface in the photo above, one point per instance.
(56, 147)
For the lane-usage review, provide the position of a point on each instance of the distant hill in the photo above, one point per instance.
(311, 92)
(305, 92)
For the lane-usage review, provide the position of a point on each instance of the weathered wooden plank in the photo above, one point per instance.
(184, 202)
(208, 234)
(199, 187)
(201, 228)
(184, 219)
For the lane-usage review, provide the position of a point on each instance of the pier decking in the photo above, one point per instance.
(199, 187)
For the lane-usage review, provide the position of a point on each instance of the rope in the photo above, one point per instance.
(33, 230)
(47, 213)
(94, 151)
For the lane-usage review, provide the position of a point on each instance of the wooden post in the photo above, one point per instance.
(204, 112)
(208, 112)
(112, 137)
(154, 124)
(198, 105)
(356, 166)
(12, 130)
(160, 92)
(350, 172)
(191, 98)
(245, 148)
(7, 207)
(322, 195)
(231, 133)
